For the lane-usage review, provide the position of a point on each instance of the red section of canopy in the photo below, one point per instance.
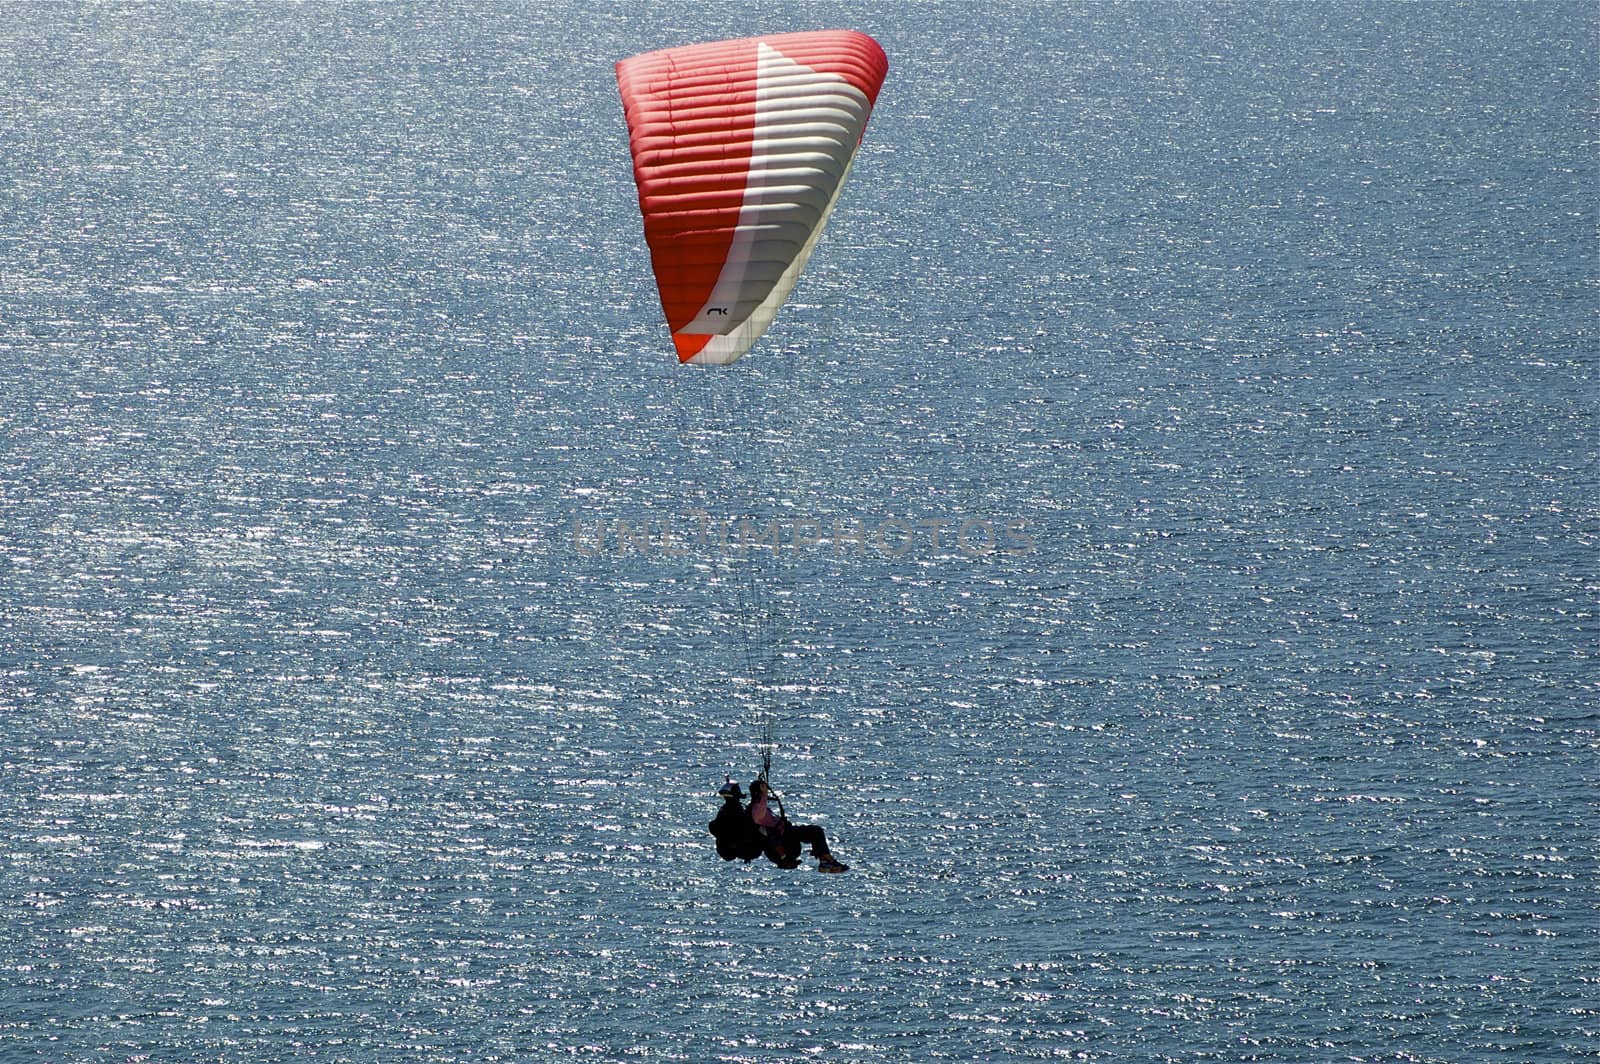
(691, 151)
(689, 344)
(691, 119)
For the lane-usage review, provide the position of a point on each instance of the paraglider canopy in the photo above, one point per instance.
(740, 149)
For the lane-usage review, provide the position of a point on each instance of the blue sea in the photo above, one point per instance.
(1173, 587)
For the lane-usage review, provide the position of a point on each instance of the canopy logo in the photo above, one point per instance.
(700, 532)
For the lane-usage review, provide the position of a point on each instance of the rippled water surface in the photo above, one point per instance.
(1261, 338)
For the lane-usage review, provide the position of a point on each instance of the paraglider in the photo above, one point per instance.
(740, 151)
(745, 834)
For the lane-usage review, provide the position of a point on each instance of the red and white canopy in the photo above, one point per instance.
(740, 149)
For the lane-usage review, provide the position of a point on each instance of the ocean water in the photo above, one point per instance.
(1212, 390)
